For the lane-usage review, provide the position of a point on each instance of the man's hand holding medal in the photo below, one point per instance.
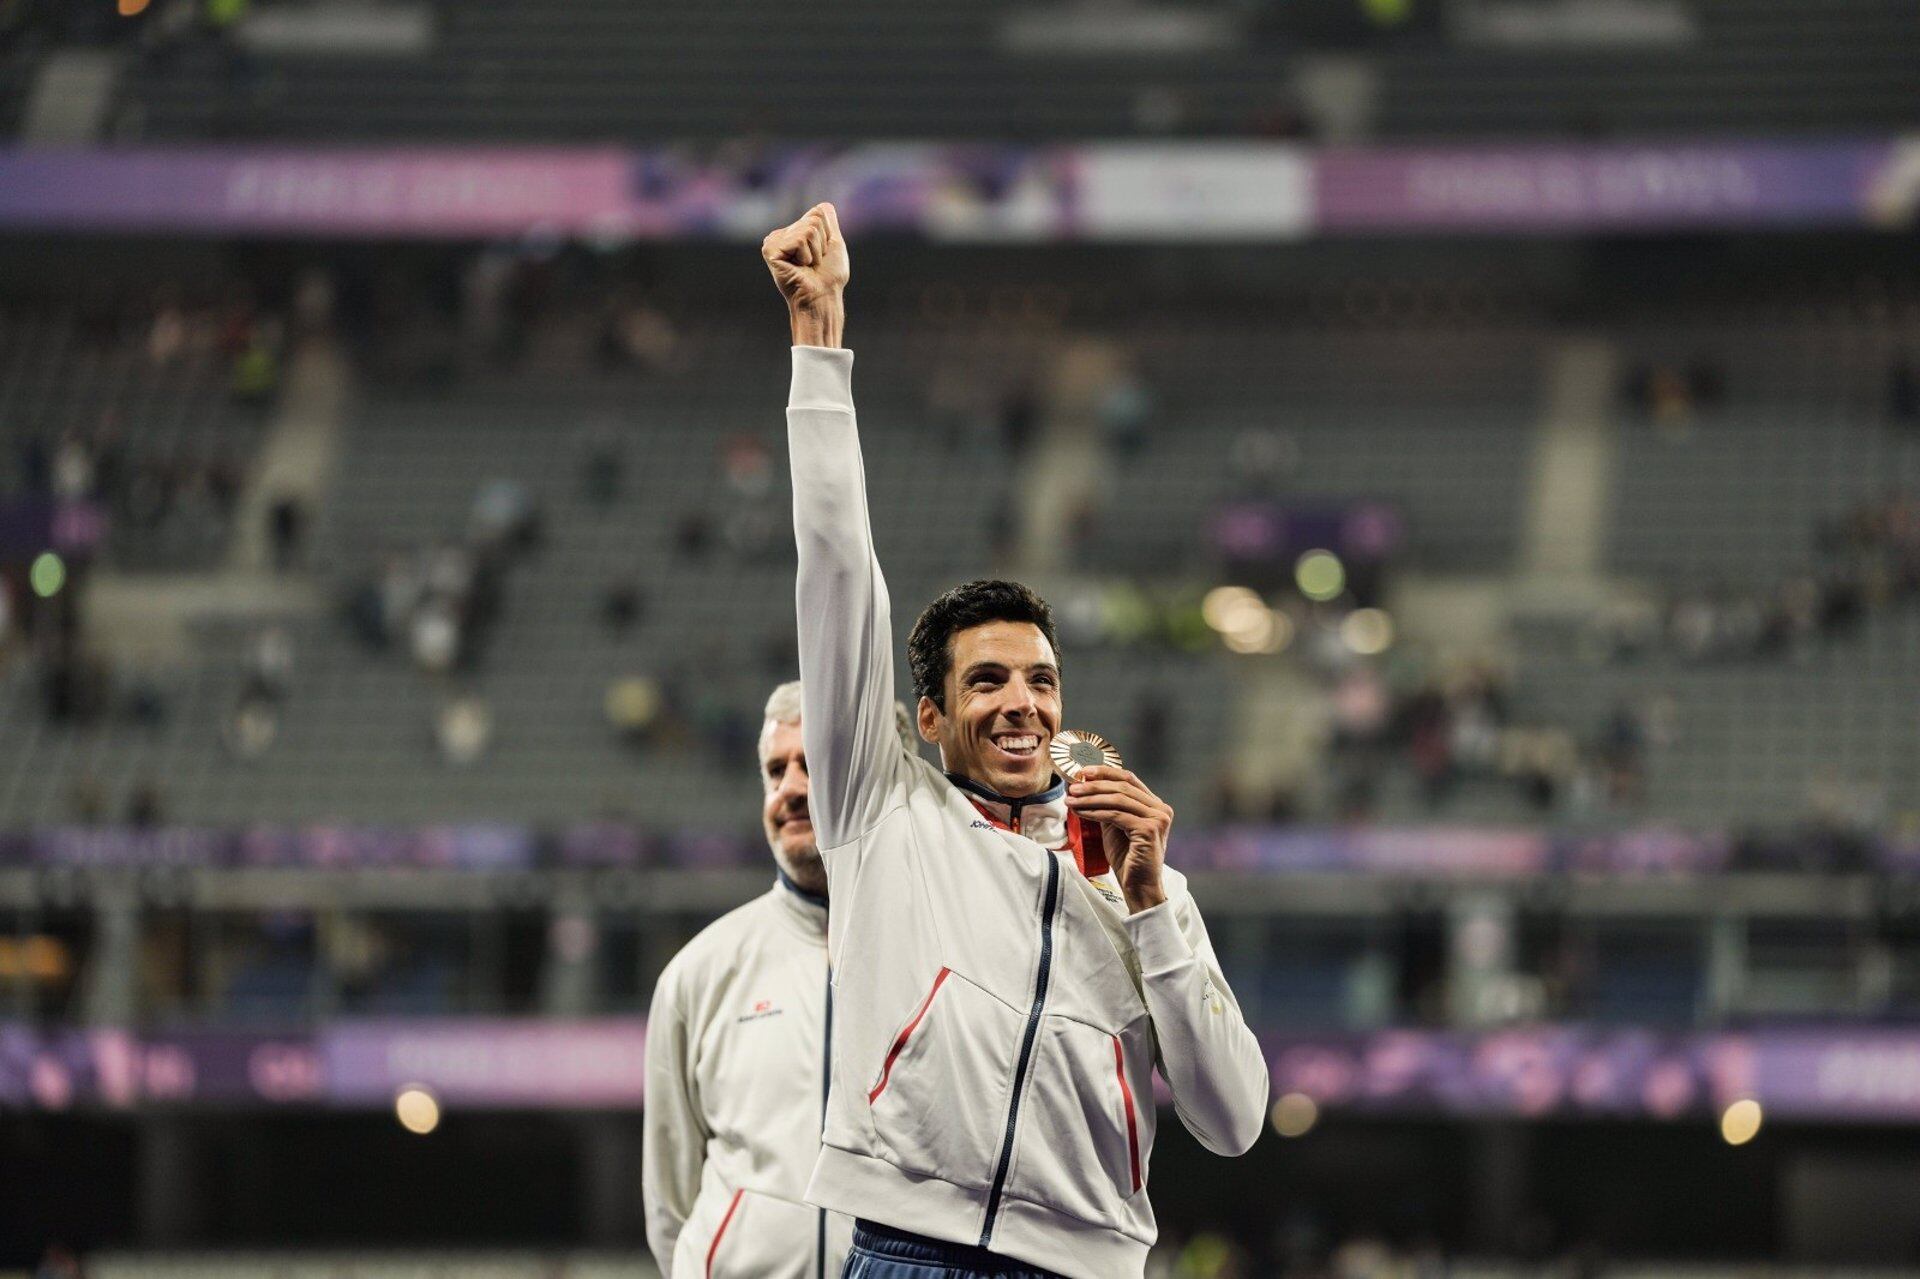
(1134, 822)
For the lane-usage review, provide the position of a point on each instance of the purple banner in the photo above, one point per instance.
(115, 1069)
(1809, 1074)
(945, 191)
(1431, 852)
(1862, 1074)
(976, 193)
(1452, 851)
(1611, 187)
(595, 1064)
(400, 192)
(474, 1063)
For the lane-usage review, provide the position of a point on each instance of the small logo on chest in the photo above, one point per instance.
(760, 1011)
(977, 824)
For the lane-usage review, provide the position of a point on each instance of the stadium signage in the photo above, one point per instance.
(1862, 1074)
(1243, 191)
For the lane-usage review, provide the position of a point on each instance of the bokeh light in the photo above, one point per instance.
(132, 8)
(417, 1109)
(48, 575)
(1367, 631)
(1251, 630)
(1741, 1122)
(1222, 602)
(1295, 1114)
(1320, 575)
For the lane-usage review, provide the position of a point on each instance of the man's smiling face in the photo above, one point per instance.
(1002, 708)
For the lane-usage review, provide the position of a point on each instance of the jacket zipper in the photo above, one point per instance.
(826, 1089)
(1026, 1045)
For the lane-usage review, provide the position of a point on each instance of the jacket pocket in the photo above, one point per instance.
(740, 1234)
(937, 1098)
(1087, 1125)
(714, 1224)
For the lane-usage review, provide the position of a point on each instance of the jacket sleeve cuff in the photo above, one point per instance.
(1157, 938)
(822, 378)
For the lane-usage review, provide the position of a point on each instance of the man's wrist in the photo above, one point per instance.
(820, 324)
(1144, 898)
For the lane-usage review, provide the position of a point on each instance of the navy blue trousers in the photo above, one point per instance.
(881, 1252)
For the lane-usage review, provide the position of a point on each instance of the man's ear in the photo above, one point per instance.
(928, 716)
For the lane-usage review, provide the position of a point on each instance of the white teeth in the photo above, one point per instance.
(1017, 745)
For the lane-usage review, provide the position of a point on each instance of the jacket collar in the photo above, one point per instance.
(1043, 817)
(808, 910)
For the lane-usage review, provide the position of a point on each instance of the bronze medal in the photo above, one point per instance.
(1073, 750)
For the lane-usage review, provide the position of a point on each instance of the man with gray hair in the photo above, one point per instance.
(737, 1055)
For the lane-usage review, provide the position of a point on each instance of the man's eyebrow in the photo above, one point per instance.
(982, 668)
(986, 668)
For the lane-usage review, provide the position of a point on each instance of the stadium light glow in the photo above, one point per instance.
(48, 575)
(1367, 631)
(1222, 603)
(1320, 575)
(1740, 1123)
(1282, 633)
(1295, 1114)
(1251, 631)
(417, 1110)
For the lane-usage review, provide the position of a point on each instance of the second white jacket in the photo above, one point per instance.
(737, 1045)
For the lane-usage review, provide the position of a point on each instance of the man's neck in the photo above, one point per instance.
(986, 788)
(794, 886)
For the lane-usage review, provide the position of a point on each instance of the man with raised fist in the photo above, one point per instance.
(1011, 957)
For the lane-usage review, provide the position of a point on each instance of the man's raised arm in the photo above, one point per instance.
(846, 634)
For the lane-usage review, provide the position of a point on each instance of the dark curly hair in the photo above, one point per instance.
(930, 646)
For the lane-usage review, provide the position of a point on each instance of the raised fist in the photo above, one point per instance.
(809, 259)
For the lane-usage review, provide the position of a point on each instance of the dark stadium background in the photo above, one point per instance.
(1473, 447)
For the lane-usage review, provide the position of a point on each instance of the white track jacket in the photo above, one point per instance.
(736, 1077)
(998, 1015)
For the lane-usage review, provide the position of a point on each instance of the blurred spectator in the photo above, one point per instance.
(1903, 393)
(1263, 460)
(464, 729)
(58, 1263)
(506, 517)
(602, 473)
(146, 810)
(1671, 395)
(251, 728)
(1125, 408)
(269, 665)
(623, 606)
(1019, 420)
(87, 801)
(693, 536)
(286, 532)
(434, 637)
(256, 367)
(1212, 1256)
(639, 335)
(634, 709)
(746, 464)
(74, 687)
(1152, 732)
